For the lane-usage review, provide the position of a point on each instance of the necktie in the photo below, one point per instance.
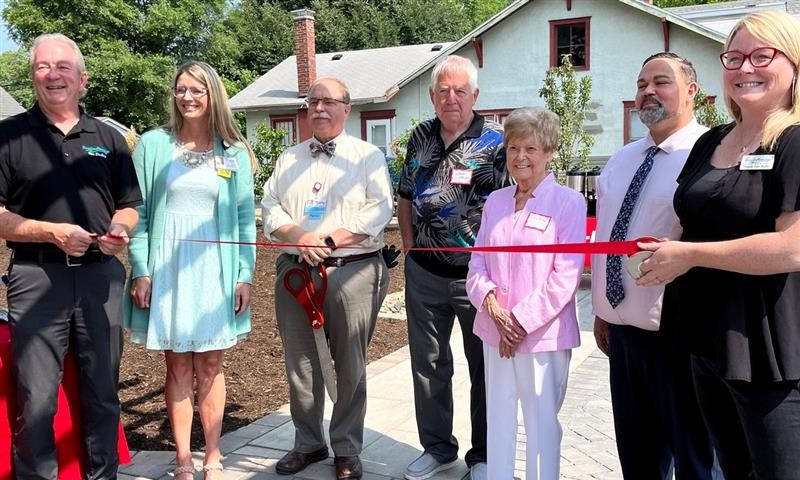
(326, 148)
(614, 291)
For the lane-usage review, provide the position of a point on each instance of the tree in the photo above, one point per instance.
(267, 146)
(568, 97)
(15, 77)
(707, 112)
(131, 47)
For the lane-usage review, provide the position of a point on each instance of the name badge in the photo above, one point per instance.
(461, 176)
(224, 172)
(757, 162)
(537, 221)
(227, 163)
(314, 209)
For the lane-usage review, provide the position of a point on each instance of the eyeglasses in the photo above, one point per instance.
(445, 91)
(326, 102)
(759, 58)
(194, 92)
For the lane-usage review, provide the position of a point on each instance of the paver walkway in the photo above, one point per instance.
(390, 440)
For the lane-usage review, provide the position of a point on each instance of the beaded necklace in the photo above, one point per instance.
(195, 159)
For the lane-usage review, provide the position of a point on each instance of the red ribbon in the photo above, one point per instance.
(627, 247)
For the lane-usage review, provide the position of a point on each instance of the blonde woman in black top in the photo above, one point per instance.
(734, 295)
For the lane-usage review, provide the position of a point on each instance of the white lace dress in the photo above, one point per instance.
(188, 311)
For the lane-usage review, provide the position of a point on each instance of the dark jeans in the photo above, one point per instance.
(432, 304)
(755, 427)
(52, 308)
(656, 417)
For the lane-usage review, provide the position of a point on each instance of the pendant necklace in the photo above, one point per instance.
(744, 148)
(194, 159)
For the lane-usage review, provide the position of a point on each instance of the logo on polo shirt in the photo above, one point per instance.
(96, 151)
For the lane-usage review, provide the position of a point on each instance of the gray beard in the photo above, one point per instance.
(651, 116)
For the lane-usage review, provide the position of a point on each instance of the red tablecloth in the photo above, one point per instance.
(69, 443)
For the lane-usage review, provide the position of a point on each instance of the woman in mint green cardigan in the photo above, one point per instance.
(189, 293)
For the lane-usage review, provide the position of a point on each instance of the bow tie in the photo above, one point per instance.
(326, 148)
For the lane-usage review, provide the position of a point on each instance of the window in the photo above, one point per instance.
(570, 37)
(377, 128)
(633, 129)
(498, 115)
(379, 133)
(287, 123)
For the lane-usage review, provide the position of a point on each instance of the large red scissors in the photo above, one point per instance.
(299, 281)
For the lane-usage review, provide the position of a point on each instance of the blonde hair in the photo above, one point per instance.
(542, 124)
(779, 30)
(220, 118)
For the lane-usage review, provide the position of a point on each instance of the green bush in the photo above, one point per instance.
(267, 146)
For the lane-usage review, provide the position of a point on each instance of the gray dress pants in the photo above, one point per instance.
(432, 304)
(355, 293)
(53, 307)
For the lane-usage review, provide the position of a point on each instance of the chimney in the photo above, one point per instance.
(305, 49)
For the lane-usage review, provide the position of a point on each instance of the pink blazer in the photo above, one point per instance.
(538, 288)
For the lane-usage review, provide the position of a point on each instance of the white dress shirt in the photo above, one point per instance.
(653, 215)
(354, 185)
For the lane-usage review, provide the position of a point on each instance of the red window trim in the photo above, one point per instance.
(627, 106)
(496, 112)
(374, 115)
(554, 24)
(275, 119)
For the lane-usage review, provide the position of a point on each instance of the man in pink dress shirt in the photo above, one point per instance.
(656, 418)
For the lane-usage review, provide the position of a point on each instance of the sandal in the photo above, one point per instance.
(182, 470)
(210, 467)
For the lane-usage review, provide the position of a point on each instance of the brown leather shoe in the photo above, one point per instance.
(348, 467)
(295, 461)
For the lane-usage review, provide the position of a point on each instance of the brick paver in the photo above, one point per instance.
(391, 442)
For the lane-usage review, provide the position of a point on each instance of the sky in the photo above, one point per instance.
(5, 42)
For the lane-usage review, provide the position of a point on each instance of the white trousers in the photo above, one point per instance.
(539, 382)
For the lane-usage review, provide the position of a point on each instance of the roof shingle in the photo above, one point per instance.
(371, 75)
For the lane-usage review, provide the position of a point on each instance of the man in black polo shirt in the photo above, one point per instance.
(68, 190)
(453, 163)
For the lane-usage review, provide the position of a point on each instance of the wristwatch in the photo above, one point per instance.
(330, 243)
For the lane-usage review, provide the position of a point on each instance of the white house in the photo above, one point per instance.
(8, 106)
(724, 15)
(608, 39)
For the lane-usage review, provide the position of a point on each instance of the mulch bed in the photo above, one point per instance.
(254, 369)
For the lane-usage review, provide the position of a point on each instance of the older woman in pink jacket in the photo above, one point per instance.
(526, 301)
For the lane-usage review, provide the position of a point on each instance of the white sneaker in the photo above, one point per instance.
(425, 466)
(478, 471)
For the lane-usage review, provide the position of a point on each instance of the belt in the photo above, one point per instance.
(43, 257)
(340, 261)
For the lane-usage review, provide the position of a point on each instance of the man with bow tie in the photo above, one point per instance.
(327, 192)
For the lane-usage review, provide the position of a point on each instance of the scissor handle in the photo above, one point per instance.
(301, 274)
(306, 294)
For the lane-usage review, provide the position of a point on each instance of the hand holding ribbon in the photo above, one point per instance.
(670, 260)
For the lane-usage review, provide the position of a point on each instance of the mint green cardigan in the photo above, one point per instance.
(236, 222)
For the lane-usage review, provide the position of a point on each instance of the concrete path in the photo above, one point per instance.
(390, 440)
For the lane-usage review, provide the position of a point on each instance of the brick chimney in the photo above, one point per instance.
(305, 49)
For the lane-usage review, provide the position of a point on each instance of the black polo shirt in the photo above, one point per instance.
(79, 178)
